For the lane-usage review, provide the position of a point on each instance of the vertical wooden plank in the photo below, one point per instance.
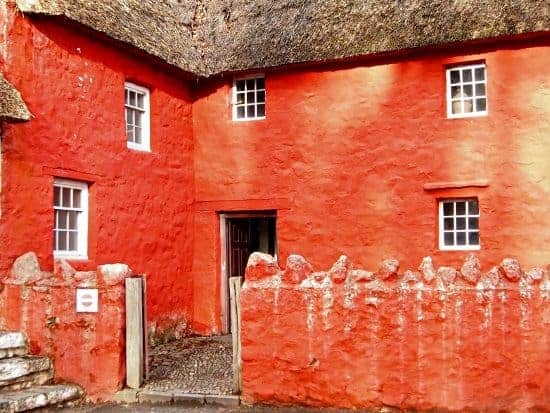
(145, 330)
(234, 290)
(134, 333)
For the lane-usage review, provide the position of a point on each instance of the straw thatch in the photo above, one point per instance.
(11, 103)
(212, 36)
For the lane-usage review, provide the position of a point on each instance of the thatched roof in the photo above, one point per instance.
(11, 103)
(206, 37)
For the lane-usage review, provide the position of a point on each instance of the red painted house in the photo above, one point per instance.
(179, 138)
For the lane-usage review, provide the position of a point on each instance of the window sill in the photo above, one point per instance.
(248, 119)
(480, 183)
(464, 248)
(144, 149)
(69, 257)
(468, 115)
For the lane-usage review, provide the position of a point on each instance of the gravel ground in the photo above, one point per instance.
(192, 365)
(147, 408)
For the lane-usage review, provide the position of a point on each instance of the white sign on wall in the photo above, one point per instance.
(87, 300)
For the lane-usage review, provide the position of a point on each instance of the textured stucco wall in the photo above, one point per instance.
(86, 348)
(140, 203)
(434, 339)
(345, 151)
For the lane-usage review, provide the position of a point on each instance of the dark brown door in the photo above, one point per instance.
(239, 246)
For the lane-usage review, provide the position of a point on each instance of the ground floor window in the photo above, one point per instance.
(459, 224)
(70, 231)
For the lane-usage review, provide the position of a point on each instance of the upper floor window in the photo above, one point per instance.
(249, 98)
(466, 91)
(459, 224)
(136, 103)
(70, 231)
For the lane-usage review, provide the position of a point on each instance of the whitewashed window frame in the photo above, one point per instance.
(145, 144)
(461, 99)
(235, 104)
(467, 230)
(81, 253)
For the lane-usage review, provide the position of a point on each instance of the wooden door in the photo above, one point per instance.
(239, 246)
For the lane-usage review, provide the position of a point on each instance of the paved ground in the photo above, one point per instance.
(192, 365)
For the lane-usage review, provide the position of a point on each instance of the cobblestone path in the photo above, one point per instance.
(192, 365)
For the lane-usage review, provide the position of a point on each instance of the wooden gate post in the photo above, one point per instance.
(134, 333)
(235, 284)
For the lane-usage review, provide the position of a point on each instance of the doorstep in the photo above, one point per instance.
(174, 396)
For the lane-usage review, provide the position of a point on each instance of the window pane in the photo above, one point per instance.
(460, 208)
(473, 208)
(130, 135)
(261, 110)
(260, 83)
(455, 76)
(448, 223)
(260, 97)
(138, 116)
(473, 238)
(250, 97)
(457, 107)
(473, 223)
(240, 84)
(481, 104)
(137, 134)
(480, 89)
(250, 84)
(62, 240)
(461, 223)
(132, 98)
(73, 241)
(61, 219)
(56, 196)
(467, 75)
(468, 91)
(240, 98)
(140, 101)
(460, 238)
(66, 197)
(76, 198)
(250, 112)
(447, 209)
(126, 98)
(240, 112)
(72, 219)
(468, 106)
(480, 73)
(448, 238)
(455, 92)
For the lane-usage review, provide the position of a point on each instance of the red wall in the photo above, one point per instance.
(140, 203)
(349, 338)
(86, 348)
(345, 151)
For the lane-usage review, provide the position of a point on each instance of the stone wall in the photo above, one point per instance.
(86, 348)
(436, 338)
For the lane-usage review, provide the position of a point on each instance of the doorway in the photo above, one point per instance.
(242, 234)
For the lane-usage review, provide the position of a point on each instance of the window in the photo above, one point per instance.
(70, 232)
(459, 224)
(249, 98)
(466, 91)
(136, 103)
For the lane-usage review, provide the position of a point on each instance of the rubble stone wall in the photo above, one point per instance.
(436, 338)
(86, 348)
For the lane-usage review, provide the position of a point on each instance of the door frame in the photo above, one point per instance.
(224, 243)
